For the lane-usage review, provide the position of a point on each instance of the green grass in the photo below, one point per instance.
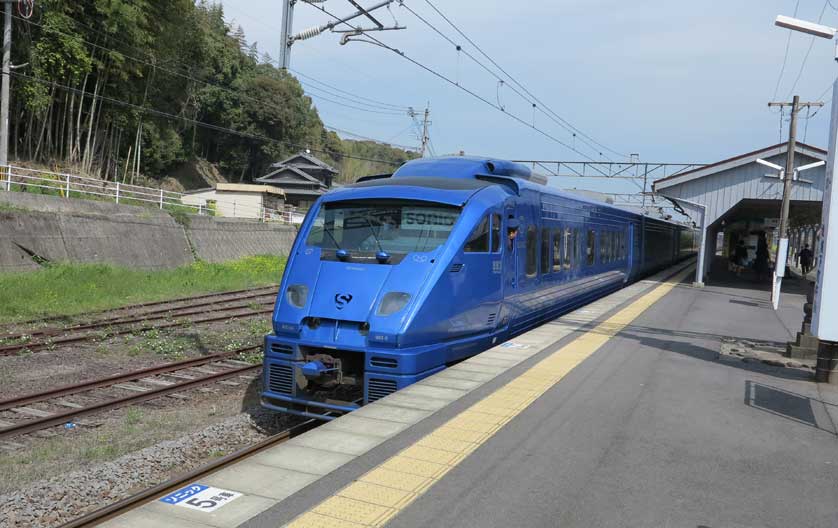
(68, 289)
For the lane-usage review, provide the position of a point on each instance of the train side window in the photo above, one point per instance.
(574, 247)
(613, 245)
(532, 252)
(478, 240)
(602, 246)
(591, 246)
(557, 250)
(545, 251)
(622, 245)
(567, 248)
(496, 245)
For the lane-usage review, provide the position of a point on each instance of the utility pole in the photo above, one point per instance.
(425, 137)
(4, 89)
(788, 178)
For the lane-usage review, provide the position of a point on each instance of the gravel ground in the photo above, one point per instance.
(60, 499)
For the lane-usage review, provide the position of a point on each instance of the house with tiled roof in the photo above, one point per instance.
(302, 177)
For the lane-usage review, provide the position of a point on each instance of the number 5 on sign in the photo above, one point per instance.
(200, 497)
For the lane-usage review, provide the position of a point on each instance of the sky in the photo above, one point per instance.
(679, 82)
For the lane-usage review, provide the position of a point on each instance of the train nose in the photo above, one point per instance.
(347, 292)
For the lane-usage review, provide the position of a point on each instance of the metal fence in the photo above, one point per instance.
(21, 179)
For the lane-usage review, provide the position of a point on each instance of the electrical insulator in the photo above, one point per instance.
(308, 33)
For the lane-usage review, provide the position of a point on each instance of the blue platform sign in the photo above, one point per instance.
(200, 497)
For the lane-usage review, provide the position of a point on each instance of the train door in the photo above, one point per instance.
(510, 252)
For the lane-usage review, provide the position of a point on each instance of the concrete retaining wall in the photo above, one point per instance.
(223, 239)
(58, 229)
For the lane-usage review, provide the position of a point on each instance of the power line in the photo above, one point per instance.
(335, 88)
(806, 57)
(403, 55)
(785, 56)
(207, 83)
(487, 69)
(365, 138)
(191, 121)
(514, 80)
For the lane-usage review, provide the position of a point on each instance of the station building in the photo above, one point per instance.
(740, 198)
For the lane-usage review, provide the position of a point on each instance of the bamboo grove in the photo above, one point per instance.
(122, 88)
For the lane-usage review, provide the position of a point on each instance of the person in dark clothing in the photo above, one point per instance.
(741, 257)
(805, 258)
(761, 260)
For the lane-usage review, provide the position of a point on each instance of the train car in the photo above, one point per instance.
(394, 278)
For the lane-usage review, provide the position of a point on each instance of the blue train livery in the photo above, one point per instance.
(392, 279)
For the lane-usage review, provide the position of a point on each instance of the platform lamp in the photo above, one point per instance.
(782, 257)
(825, 305)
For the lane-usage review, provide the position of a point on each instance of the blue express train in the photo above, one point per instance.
(392, 279)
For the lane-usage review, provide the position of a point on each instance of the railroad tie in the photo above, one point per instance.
(236, 363)
(4, 424)
(229, 383)
(30, 411)
(156, 381)
(205, 370)
(179, 375)
(71, 405)
(130, 387)
(10, 446)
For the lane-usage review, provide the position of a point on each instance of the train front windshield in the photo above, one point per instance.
(396, 227)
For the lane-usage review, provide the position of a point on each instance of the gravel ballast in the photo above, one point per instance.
(60, 499)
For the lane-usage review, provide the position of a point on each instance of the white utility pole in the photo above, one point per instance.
(825, 305)
(287, 24)
(425, 137)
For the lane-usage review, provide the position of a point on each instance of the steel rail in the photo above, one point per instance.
(61, 418)
(38, 345)
(153, 315)
(68, 390)
(148, 304)
(112, 510)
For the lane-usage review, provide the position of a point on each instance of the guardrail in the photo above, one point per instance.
(21, 179)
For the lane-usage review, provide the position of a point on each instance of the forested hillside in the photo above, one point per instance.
(119, 88)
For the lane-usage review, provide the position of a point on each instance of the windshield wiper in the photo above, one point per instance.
(372, 232)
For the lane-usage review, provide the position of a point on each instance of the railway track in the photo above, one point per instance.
(101, 515)
(18, 416)
(236, 294)
(75, 334)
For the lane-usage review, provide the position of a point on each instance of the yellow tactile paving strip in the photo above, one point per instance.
(383, 492)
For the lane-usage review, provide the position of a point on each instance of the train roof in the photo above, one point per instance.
(455, 178)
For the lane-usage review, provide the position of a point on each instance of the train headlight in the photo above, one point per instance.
(392, 303)
(296, 294)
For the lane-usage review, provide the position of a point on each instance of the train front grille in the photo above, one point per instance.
(281, 379)
(379, 388)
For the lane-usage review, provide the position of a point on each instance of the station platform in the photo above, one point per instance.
(622, 413)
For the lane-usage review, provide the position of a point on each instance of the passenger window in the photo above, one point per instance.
(557, 250)
(532, 252)
(496, 233)
(623, 248)
(612, 243)
(478, 240)
(545, 251)
(602, 246)
(574, 248)
(590, 248)
(567, 248)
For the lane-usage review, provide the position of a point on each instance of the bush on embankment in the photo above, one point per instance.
(68, 289)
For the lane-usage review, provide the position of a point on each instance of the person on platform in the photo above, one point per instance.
(740, 257)
(805, 258)
(761, 260)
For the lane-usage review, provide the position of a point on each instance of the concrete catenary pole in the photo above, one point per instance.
(825, 305)
(425, 137)
(4, 89)
(285, 37)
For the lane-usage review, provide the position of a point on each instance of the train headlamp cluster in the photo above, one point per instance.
(297, 294)
(392, 303)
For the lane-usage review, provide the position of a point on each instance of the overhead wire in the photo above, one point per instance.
(785, 56)
(450, 81)
(514, 80)
(491, 72)
(202, 124)
(808, 51)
